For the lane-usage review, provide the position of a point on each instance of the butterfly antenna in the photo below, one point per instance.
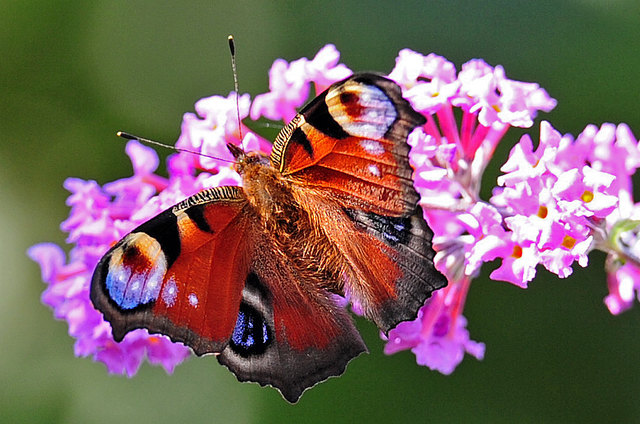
(232, 49)
(128, 136)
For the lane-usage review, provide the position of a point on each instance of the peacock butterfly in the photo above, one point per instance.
(249, 273)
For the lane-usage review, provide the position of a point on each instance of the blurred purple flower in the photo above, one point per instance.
(68, 295)
(624, 287)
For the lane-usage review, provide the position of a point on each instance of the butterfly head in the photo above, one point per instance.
(245, 159)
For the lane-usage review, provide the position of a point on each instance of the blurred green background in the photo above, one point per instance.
(74, 72)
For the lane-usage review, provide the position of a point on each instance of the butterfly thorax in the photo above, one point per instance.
(289, 225)
(270, 195)
(262, 184)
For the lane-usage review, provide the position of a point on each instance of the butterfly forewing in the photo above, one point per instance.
(180, 273)
(351, 142)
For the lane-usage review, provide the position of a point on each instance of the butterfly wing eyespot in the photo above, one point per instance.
(399, 255)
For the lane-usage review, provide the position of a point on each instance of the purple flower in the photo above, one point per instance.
(438, 336)
(518, 264)
(585, 193)
(428, 82)
(450, 156)
(488, 91)
(99, 217)
(553, 204)
(288, 90)
(208, 131)
(623, 260)
(324, 69)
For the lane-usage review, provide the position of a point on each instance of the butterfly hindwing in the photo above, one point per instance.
(412, 277)
(180, 273)
(289, 334)
(390, 270)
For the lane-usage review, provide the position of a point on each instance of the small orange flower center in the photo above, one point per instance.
(496, 108)
(517, 252)
(543, 211)
(568, 242)
(587, 196)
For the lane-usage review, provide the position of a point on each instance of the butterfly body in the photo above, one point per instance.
(251, 273)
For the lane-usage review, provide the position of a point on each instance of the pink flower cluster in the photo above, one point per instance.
(552, 206)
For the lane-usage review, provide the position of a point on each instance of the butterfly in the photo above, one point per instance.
(251, 273)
